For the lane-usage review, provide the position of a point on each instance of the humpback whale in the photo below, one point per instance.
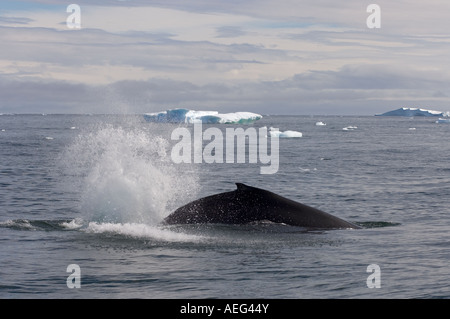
(249, 204)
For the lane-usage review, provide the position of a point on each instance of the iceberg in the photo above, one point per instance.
(207, 117)
(407, 111)
(320, 123)
(274, 132)
(441, 120)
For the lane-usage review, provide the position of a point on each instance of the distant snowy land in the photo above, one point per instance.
(410, 112)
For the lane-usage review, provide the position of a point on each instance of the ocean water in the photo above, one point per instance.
(92, 190)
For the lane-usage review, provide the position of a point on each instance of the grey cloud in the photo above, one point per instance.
(370, 77)
(229, 32)
(86, 46)
(31, 96)
(15, 20)
(153, 52)
(364, 70)
(399, 16)
(312, 93)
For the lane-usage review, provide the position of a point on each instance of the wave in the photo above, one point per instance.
(43, 225)
(376, 224)
(152, 231)
(128, 230)
(142, 231)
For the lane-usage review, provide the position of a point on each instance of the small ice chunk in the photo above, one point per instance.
(284, 134)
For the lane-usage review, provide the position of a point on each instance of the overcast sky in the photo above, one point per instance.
(265, 56)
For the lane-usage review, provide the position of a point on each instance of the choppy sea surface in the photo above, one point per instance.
(92, 190)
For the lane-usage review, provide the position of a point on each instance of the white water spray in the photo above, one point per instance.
(126, 175)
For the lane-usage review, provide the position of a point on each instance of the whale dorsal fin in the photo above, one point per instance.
(242, 187)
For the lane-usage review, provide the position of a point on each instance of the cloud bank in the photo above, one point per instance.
(269, 57)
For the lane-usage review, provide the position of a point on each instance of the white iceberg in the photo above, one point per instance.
(274, 132)
(441, 120)
(207, 117)
(350, 128)
(411, 111)
(320, 123)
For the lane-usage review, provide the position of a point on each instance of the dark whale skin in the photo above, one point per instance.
(249, 204)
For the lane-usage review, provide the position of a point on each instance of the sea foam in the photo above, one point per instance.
(141, 231)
